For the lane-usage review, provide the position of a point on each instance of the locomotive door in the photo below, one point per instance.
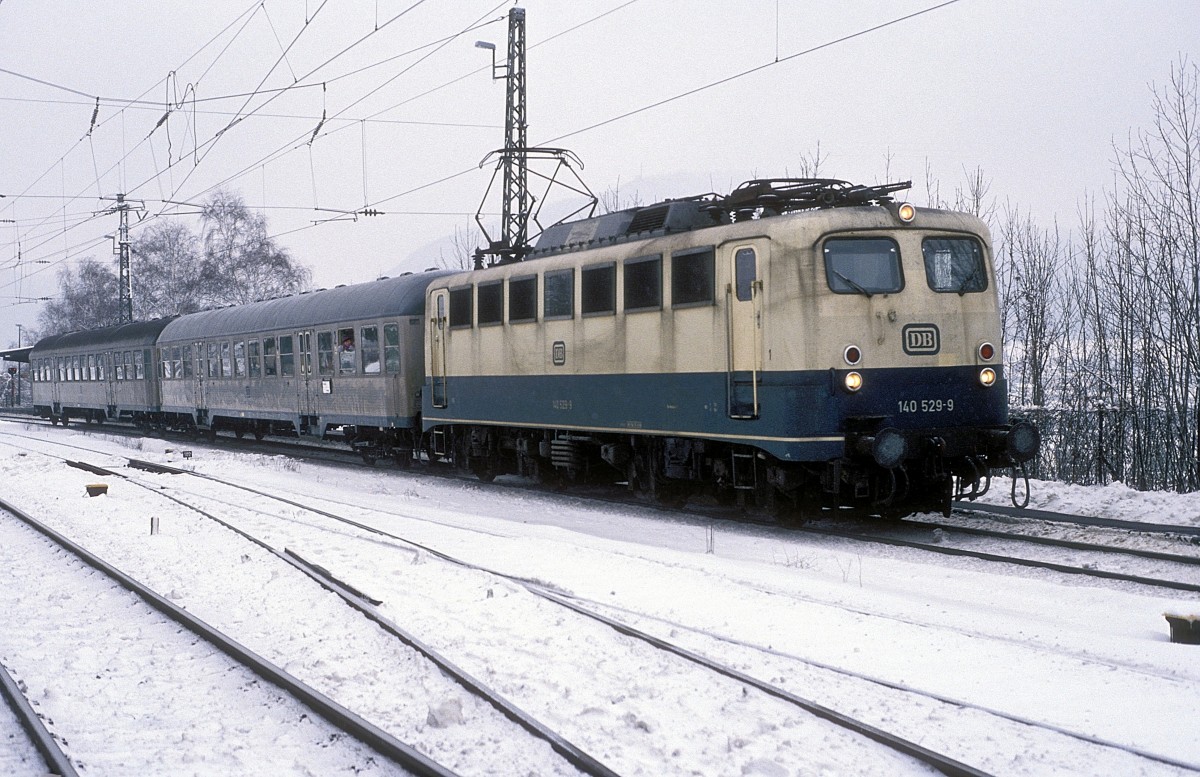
(437, 349)
(308, 388)
(743, 306)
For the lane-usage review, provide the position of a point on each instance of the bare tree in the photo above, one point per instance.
(168, 277)
(241, 263)
(87, 299)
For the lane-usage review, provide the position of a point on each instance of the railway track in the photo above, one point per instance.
(171, 672)
(431, 551)
(40, 738)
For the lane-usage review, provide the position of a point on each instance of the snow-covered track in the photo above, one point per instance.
(57, 762)
(333, 713)
(1080, 520)
(940, 546)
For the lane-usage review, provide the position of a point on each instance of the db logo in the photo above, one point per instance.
(922, 339)
(558, 353)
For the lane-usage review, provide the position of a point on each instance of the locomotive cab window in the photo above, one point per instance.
(491, 303)
(692, 278)
(558, 288)
(643, 283)
(522, 299)
(855, 265)
(598, 295)
(954, 264)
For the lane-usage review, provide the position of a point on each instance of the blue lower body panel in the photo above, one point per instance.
(801, 416)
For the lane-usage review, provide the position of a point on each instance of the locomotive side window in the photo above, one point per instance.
(746, 273)
(598, 295)
(491, 303)
(369, 348)
(391, 348)
(522, 299)
(692, 278)
(460, 307)
(558, 288)
(325, 353)
(643, 283)
(253, 359)
(855, 265)
(270, 369)
(954, 264)
(287, 359)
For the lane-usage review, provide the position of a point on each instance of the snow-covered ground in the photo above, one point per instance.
(950, 653)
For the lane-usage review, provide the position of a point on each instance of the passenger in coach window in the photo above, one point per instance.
(346, 353)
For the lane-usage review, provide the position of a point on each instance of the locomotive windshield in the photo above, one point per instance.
(954, 264)
(863, 265)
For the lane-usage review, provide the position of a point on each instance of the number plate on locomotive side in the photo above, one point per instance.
(925, 406)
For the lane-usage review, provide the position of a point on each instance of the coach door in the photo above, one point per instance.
(309, 388)
(437, 348)
(743, 305)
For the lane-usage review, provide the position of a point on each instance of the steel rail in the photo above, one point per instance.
(1082, 520)
(337, 715)
(42, 739)
(1150, 581)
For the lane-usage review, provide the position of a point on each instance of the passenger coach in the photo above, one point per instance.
(98, 375)
(345, 359)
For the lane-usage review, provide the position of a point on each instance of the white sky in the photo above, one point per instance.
(1033, 93)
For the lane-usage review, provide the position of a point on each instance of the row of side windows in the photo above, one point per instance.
(344, 351)
(121, 365)
(693, 278)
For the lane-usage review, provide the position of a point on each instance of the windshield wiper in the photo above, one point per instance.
(852, 284)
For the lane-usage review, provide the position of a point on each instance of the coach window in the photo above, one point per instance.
(239, 359)
(253, 360)
(954, 264)
(62, 372)
(345, 338)
(177, 361)
(270, 369)
(522, 299)
(226, 362)
(214, 361)
(369, 349)
(558, 291)
(325, 353)
(139, 364)
(460, 308)
(127, 357)
(91, 366)
(598, 290)
(491, 303)
(857, 265)
(287, 358)
(643, 283)
(692, 278)
(391, 348)
(187, 361)
(167, 372)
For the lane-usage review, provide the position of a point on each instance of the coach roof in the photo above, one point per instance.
(139, 333)
(402, 296)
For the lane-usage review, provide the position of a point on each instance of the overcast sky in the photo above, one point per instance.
(1033, 93)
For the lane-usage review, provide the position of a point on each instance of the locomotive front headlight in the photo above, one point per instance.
(907, 212)
(853, 382)
(987, 376)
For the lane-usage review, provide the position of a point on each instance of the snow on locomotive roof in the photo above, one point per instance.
(402, 296)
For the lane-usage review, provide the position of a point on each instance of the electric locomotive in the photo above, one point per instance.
(799, 344)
